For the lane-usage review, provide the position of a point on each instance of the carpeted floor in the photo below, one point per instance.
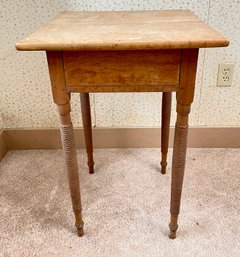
(125, 205)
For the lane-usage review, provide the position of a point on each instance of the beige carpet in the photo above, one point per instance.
(125, 205)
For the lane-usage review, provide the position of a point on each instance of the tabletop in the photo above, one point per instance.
(166, 29)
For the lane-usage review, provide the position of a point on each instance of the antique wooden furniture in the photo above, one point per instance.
(145, 51)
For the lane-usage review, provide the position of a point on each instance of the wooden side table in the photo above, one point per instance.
(145, 51)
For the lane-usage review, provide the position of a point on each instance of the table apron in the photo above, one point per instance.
(122, 71)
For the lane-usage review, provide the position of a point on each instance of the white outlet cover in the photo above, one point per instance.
(225, 74)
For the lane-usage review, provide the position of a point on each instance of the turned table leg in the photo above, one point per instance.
(178, 165)
(87, 127)
(62, 99)
(69, 150)
(166, 114)
(184, 99)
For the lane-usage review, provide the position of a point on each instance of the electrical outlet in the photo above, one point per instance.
(225, 74)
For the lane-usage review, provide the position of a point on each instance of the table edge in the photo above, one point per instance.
(122, 46)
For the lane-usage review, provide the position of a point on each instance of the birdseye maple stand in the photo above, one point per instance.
(143, 51)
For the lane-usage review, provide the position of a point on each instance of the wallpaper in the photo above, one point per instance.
(25, 95)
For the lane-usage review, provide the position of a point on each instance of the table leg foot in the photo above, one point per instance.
(80, 231)
(173, 226)
(164, 163)
(79, 223)
(91, 167)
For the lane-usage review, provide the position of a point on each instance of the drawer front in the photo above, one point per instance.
(99, 69)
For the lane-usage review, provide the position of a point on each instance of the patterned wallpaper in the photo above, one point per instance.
(25, 88)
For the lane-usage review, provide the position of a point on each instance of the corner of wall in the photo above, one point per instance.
(3, 144)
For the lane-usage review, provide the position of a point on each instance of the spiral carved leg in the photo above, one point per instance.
(166, 114)
(185, 94)
(87, 125)
(70, 155)
(178, 166)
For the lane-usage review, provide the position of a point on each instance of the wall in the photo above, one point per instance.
(25, 88)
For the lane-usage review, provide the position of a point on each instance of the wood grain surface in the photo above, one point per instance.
(114, 68)
(123, 31)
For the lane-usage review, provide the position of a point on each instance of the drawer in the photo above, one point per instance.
(122, 71)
